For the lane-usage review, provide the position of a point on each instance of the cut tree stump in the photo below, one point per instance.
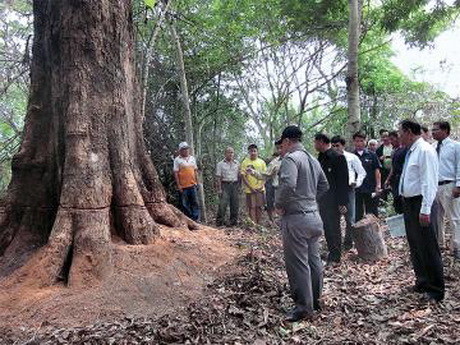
(369, 240)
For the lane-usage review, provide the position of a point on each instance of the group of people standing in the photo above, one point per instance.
(311, 194)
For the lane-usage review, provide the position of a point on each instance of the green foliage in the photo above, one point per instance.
(150, 3)
(419, 20)
(15, 30)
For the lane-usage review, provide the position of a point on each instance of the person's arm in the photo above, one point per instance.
(219, 178)
(379, 153)
(360, 171)
(378, 176)
(176, 175)
(287, 182)
(378, 181)
(456, 190)
(323, 184)
(428, 162)
(390, 175)
(196, 173)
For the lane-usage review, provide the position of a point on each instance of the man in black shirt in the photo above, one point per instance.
(367, 195)
(397, 163)
(334, 202)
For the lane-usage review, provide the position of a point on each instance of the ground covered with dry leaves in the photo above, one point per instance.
(363, 304)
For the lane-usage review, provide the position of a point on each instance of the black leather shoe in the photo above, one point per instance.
(431, 298)
(295, 315)
(415, 289)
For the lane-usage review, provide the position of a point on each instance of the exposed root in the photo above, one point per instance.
(162, 213)
(135, 224)
(192, 225)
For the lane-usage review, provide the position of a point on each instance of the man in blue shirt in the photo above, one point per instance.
(367, 195)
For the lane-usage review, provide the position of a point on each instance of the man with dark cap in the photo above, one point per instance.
(301, 183)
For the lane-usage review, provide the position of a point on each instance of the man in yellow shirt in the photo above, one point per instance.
(251, 171)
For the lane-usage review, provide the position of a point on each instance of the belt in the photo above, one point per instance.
(301, 212)
(229, 181)
(412, 197)
(440, 183)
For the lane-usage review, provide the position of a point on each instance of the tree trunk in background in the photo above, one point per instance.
(82, 174)
(354, 112)
(148, 56)
(180, 66)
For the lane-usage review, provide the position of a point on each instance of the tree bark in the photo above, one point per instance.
(82, 174)
(369, 240)
(352, 81)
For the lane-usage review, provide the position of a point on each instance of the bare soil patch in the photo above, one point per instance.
(147, 281)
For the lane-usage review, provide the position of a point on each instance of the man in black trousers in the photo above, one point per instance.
(334, 202)
(418, 186)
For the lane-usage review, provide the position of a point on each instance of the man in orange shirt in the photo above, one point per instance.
(185, 173)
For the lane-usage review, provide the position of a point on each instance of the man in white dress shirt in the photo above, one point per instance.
(356, 175)
(448, 201)
(418, 186)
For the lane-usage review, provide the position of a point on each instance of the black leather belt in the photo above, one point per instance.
(440, 183)
(301, 212)
(229, 181)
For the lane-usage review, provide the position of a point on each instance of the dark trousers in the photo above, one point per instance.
(397, 199)
(329, 211)
(230, 196)
(366, 204)
(424, 250)
(189, 201)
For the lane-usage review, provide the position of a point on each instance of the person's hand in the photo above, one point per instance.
(343, 209)
(219, 192)
(179, 188)
(353, 185)
(456, 192)
(424, 219)
(378, 189)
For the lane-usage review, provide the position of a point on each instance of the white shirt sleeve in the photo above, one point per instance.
(219, 169)
(457, 163)
(176, 165)
(428, 163)
(359, 170)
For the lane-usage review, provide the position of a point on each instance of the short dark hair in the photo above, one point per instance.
(253, 146)
(383, 131)
(424, 128)
(394, 134)
(411, 125)
(323, 138)
(443, 125)
(292, 133)
(338, 139)
(359, 135)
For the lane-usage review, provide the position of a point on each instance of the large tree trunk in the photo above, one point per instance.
(354, 112)
(82, 174)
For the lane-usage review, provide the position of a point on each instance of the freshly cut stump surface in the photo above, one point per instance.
(369, 239)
